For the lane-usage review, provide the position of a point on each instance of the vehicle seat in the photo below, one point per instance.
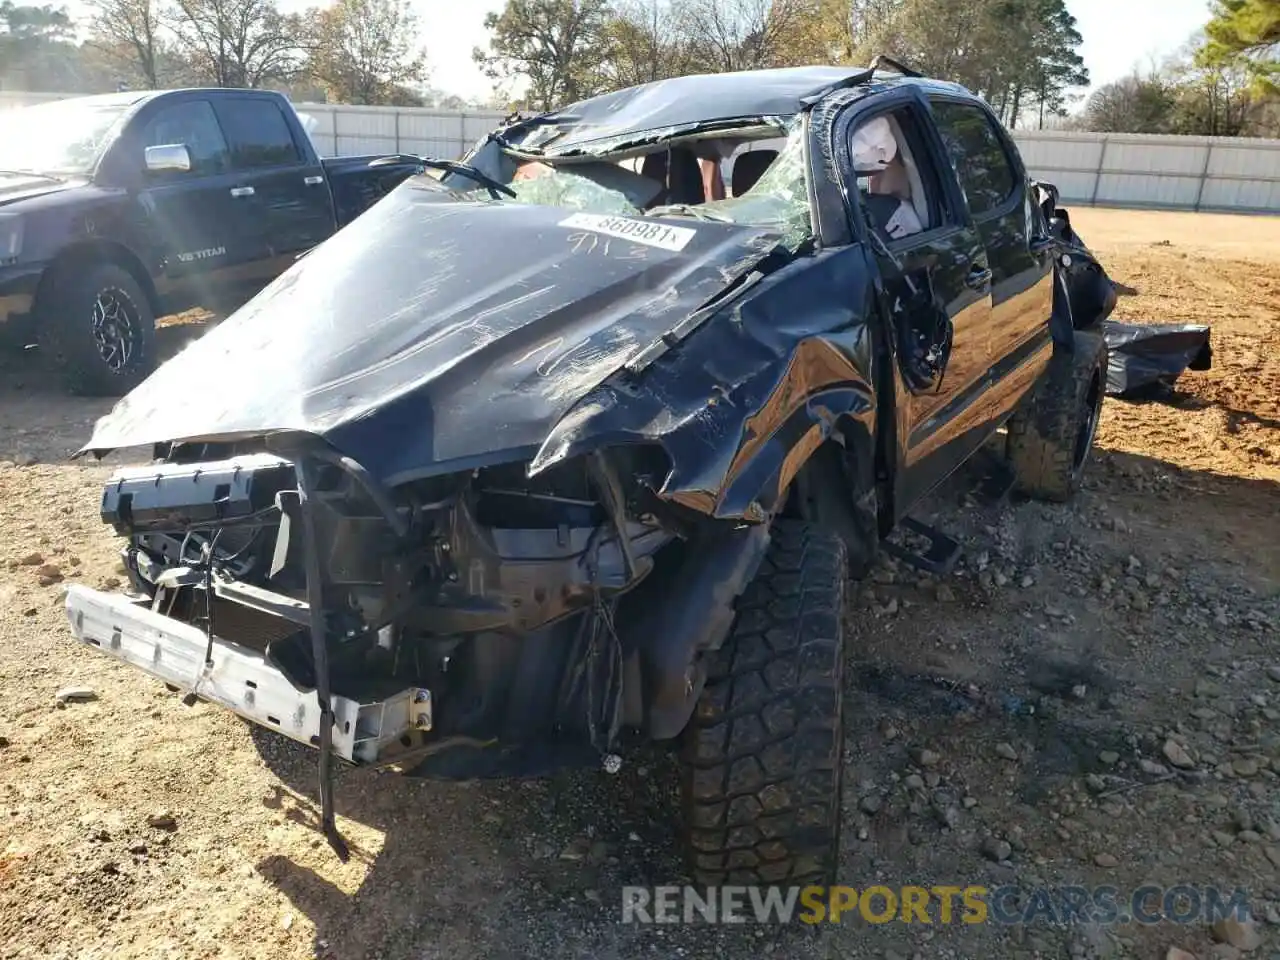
(680, 173)
(919, 199)
(749, 167)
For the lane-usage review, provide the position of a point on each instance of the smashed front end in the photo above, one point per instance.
(472, 489)
(479, 623)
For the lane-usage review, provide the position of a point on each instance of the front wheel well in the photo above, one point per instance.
(82, 255)
(835, 490)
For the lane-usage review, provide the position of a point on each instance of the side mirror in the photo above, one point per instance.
(168, 158)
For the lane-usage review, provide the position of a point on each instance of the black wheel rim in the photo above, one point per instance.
(116, 329)
(1089, 426)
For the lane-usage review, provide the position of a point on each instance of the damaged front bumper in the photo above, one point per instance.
(240, 679)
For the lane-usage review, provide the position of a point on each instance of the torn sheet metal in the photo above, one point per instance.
(1143, 356)
(433, 334)
(737, 407)
(1091, 293)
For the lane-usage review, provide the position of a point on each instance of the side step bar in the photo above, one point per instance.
(939, 558)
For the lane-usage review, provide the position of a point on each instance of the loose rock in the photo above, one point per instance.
(927, 758)
(1106, 860)
(75, 695)
(996, 849)
(1177, 754)
(1006, 751)
(870, 804)
(1245, 767)
(162, 820)
(1243, 935)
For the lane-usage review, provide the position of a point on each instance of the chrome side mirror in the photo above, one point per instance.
(168, 158)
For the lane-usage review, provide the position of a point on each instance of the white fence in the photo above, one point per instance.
(1136, 170)
(1112, 169)
(342, 129)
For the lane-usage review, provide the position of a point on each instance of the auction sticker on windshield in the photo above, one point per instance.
(637, 231)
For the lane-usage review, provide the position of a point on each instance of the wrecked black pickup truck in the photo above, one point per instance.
(567, 450)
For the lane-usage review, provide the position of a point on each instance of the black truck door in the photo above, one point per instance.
(278, 179)
(995, 184)
(937, 282)
(191, 231)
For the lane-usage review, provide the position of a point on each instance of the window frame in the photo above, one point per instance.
(1012, 159)
(927, 150)
(299, 154)
(162, 177)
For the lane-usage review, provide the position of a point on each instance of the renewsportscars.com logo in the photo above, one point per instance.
(1008, 905)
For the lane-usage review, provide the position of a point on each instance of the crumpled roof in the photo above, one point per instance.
(679, 102)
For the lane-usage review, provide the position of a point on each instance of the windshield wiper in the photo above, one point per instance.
(31, 173)
(452, 166)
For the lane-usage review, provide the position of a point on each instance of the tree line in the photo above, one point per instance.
(1021, 55)
(1224, 83)
(352, 51)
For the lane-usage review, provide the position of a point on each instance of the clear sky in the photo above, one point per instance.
(1118, 34)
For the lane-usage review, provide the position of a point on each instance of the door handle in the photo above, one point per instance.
(242, 191)
(979, 278)
(312, 181)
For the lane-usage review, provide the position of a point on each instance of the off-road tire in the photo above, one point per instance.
(1051, 436)
(762, 755)
(67, 321)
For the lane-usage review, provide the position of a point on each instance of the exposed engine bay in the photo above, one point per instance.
(494, 591)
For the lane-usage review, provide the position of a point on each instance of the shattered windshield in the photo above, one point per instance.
(61, 137)
(778, 200)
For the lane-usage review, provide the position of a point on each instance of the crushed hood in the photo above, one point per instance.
(433, 334)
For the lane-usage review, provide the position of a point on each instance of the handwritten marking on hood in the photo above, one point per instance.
(650, 234)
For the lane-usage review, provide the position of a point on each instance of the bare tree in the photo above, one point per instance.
(644, 43)
(366, 51)
(238, 43)
(1134, 104)
(127, 32)
(739, 34)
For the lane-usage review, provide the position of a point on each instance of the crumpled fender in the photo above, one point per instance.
(742, 404)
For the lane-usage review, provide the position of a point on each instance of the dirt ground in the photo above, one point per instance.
(1093, 698)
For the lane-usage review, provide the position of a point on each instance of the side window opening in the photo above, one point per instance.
(749, 167)
(978, 155)
(897, 188)
(193, 124)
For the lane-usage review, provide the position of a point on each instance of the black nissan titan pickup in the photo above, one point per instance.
(119, 208)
